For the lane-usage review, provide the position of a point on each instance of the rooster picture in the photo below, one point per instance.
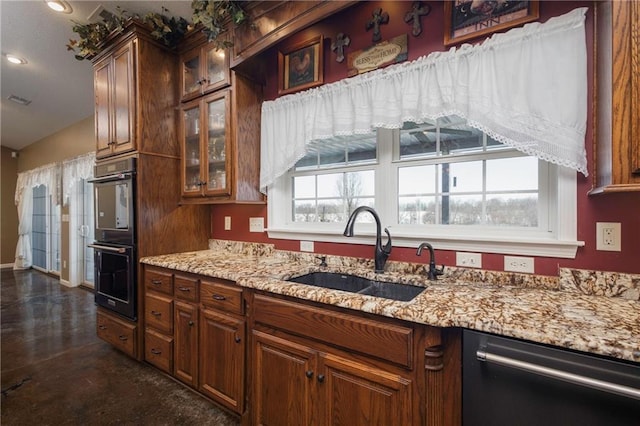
(301, 67)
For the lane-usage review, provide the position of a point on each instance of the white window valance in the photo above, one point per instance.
(48, 175)
(526, 88)
(74, 170)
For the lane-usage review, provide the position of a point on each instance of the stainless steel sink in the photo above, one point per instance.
(355, 284)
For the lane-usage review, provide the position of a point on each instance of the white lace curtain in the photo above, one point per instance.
(526, 88)
(75, 170)
(48, 175)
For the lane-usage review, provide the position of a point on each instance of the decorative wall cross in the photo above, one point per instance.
(415, 15)
(378, 18)
(339, 44)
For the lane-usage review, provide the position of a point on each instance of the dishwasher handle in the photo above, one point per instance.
(553, 373)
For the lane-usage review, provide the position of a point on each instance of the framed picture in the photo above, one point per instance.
(467, 19)
(300, 66)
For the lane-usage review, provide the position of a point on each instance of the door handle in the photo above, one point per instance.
(107, 248)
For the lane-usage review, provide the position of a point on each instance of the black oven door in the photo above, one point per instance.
(115, 289)
(114, 208)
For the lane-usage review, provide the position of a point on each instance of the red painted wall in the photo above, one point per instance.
(622, 207)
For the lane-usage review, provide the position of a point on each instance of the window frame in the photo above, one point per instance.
(560, 202)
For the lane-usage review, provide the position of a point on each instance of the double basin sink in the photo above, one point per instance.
(359, 285)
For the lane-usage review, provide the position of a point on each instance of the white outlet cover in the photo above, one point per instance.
(608, 236)
(306, 246)
(519, 264)
(227, 223)
(256, 224)
(469, 260)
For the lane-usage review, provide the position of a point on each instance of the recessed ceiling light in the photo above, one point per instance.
(59, 6)
(19, 100)
(16, 59)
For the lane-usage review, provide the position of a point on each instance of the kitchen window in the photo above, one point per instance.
(441, 181)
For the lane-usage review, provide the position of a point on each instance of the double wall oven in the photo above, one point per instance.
(115, 245)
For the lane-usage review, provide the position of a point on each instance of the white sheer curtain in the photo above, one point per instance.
(48, 175)
(74, 171)
(527, 88)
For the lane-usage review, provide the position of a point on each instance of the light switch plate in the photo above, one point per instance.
(256, 224)
(306, 246)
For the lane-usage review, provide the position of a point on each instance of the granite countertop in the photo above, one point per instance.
(583, 310)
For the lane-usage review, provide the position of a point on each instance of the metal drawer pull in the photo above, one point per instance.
(219, 297)
(155, 351)
(184, 289)
(123, 338)
(102, 327)
(576, 379)
(156, 313)
(156, 282)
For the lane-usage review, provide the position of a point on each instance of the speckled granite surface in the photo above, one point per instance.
(583, 310)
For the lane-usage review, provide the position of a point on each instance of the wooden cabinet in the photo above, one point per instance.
(158, 318)
(185, 365)
(204, 69)
(135, 89)
(617, 80)
(313, 365)
(114, 102)
(220, 142)
(222, 343)
(119, 333)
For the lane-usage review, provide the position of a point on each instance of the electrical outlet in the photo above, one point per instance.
(469, 260)
(306, 246)
(256, 224)
(519, 264)
(227, 223)
(608, 236)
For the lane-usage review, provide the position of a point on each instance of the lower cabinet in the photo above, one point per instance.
(118, 332)
(185, 364)
(299, 377)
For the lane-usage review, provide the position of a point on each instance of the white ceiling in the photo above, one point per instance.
(59, 86)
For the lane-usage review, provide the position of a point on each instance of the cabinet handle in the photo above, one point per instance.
(238, 339)
(321, 378)
(191, 323)
(102, 327)
(156, 282)
(219, 297)
(184, 289)
(155, 351)
(156, 313)
(309, 374)
(123, 338)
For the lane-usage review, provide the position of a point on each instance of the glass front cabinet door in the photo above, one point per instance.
(205, 146)
(204, 69)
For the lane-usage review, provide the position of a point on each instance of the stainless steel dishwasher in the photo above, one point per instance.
(513, 382)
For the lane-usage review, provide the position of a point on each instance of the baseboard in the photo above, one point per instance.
(66, 283)
(6, 265)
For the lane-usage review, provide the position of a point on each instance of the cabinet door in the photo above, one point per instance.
(217, 144)
(222, 354)
(283, 381)
(123, 99)
(356, 394)
(191, 150)
(185, 357)
(215, 67)
(102, 86)
(191, 82)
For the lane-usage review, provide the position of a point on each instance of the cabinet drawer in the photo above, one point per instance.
(219, 295)
(158, 280)
(158, 350)
(185, 288)
(158, 313)
(117, 332)
(381, 339)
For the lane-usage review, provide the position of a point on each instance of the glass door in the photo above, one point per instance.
(191, 154)
(87, 231)
(217, 147)
(45, 232)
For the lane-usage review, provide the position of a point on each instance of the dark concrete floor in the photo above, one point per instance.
(55, 371)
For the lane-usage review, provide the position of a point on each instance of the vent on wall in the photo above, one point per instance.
(19, 100)
(99, 14)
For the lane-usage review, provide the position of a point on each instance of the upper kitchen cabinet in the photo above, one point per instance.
(220, 140)
(135, 94)
(204, 69)
(617, 80)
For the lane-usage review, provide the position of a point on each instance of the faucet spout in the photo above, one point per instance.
(381, 252)
(433, 272)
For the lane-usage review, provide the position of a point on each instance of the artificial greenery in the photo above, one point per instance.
(212, 15)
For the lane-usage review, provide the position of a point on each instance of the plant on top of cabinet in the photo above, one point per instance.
(214, 15)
